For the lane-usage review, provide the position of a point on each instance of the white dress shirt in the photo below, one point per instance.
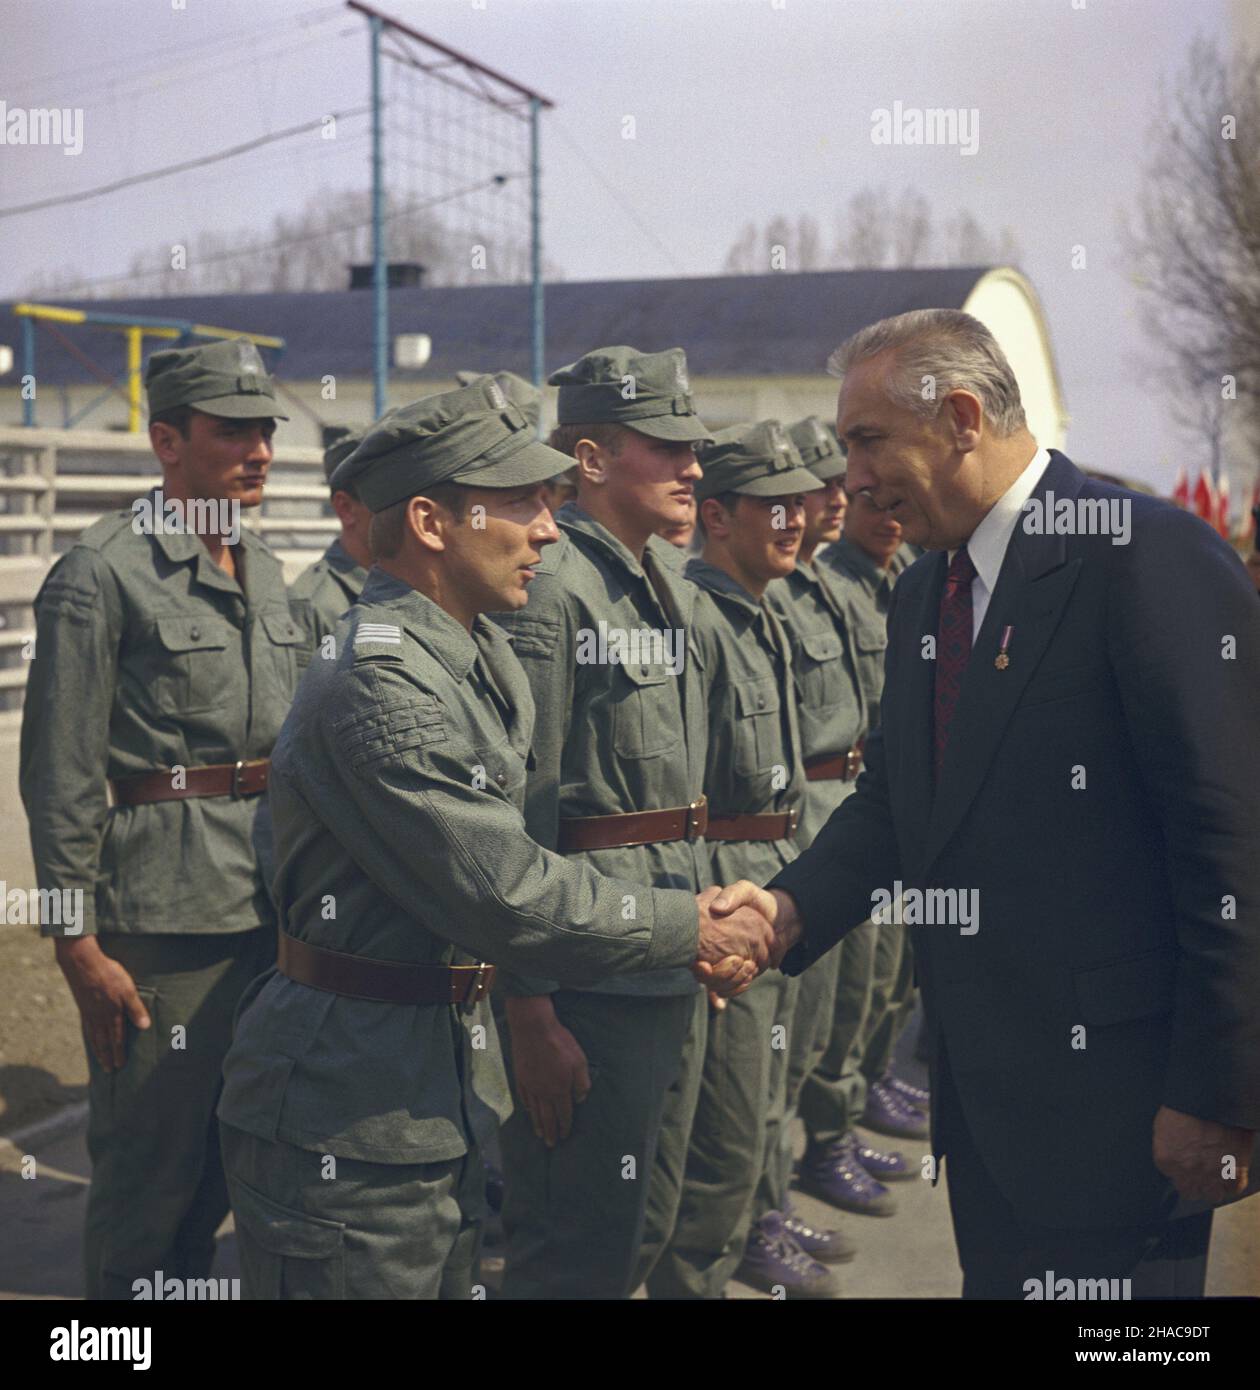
(988, 543)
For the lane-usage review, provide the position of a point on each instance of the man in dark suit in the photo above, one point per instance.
(1067, 744)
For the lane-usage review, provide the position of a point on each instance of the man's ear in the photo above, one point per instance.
(591, 461)
(964, 416)
(165, 440)
(427, 524)
(714, 515)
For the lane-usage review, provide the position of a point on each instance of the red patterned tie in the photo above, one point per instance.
(953, 647)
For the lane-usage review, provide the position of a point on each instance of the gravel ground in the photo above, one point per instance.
(42, 1066)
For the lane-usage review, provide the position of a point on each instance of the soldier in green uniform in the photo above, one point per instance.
(838, 1165)
(365, 1071)
(819, 624)
(165, 664)
(751, 514)
(325, 589)
(618, 785)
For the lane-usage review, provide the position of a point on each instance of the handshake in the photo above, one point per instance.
(743, 931)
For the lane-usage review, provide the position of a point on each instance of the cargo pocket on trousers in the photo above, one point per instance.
(286, 1254)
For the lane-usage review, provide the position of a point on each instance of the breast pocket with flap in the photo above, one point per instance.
(758, 733)
(189, 661)
(645, 715)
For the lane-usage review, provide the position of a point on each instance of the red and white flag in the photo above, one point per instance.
(1222, 504)
(1205, 498)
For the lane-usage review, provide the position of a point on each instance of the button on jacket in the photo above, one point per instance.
(150, 656)
(612, 737)
(398, 783)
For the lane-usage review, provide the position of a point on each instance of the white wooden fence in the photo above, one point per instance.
(56, 483)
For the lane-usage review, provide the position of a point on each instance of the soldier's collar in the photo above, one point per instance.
(430, 625)
(717, 581)
(854, 558)
(179, 546)
(578, 522)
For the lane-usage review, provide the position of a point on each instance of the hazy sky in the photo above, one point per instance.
(742, 109)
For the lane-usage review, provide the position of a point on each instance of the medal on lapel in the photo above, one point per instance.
(1002, 660)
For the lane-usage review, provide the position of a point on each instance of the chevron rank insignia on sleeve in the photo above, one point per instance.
(384, 633)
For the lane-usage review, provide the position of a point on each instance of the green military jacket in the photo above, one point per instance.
(868, 590)
(755, 764)
(820, 625)
(323, 592)
(612, 736)
(398, 783)
(149, 656)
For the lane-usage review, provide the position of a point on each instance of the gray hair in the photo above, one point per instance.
(953, 350)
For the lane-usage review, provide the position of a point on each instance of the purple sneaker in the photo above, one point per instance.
(830, 1247)
(773, 1261)
(887, 1113)
(833, 1174)
(913, 1095)
(886, 1165)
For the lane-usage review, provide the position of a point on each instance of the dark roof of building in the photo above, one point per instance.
(742, 325)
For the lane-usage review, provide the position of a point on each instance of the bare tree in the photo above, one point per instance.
(311, 249)
(1195, 247)
(741, 259)
(872, 233)
(912, 229)
(869, 230)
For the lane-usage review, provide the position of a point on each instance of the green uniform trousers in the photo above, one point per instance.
(891, 998)
(728, 1144)
(573, 1216)
(157, 1194)
(309, 1225)
(665, 1185)
(780, 1104)
(834, 1093)
(808, 1035)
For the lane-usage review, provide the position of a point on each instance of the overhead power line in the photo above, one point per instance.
(180, 168)
(613, 192)
(139, 66)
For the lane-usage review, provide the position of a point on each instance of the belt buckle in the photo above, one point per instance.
(695, 809)
(237, 793)
(852, 764)
(477, 990)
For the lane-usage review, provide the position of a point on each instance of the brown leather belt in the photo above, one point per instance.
(634, 827)
(218, 779)
(828, 767)
(780, 825)
(382, 981)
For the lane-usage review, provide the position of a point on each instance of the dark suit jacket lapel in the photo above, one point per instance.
(909, 722)
(1033, 587)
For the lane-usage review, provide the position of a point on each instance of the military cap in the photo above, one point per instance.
(819, 448)
(515, 388)
(759, 460)
(342, 448)
(647, 391)
(225, 378)
(474, 435)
